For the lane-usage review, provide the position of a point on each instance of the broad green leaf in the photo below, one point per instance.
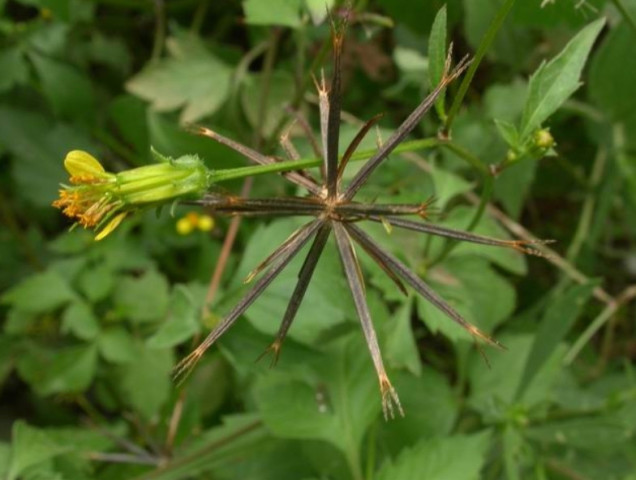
(448, 185)
(494, 386)
(14, 68)
(191, 78)
(68, 91)
(554, 82)
(602, 433)
(431, 409)
(437, 55)
(273, 12)
(318, 9)
(145, 382)
(336, 404)
(400, 350)
(97, 282)
(474, 289)
(281, 85)
(39, 147)
(455, 457)
(64, 370)
(31, 446)
(110, 51)
(142, 299)
(560, 314)
(39, 293)
(181, 322)
(117, 345)
(612, 79)
(80, 320)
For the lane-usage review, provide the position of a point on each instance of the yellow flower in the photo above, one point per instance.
(101, 200)
(192, 220)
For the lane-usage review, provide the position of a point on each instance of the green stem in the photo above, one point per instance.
(290, 165)
(485, 44)
(160, 30)
(486, 194)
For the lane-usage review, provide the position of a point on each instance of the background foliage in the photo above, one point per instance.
(90, 331)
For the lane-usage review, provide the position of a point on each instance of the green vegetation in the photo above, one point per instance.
(536, 140)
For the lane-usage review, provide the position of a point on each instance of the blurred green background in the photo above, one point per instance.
(89, 332)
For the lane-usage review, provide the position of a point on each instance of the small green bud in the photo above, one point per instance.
(543, 139)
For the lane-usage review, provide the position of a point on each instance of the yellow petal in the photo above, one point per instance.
(80, 163)
(205, 223)
(184, 226)
(112, 225)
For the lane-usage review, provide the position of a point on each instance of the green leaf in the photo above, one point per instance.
(281, 86)
(318, 9)
(39, 147)
(554, 82)
(336, 404)
(612, 79)
(14, 68)
(456, 457)
(64, 370)
(145, 382)
(437, 55)
(39, 293)
(80, 320)
(192, 79)
(431, 409)
(494, 386)
(560, 314)
(117, 345)
(470, 286)
(508, 132)
(31, 446)
(400, 349)
(447, 186)
(182, 321)
(604, 433)
(97, 282)
(273, 12)
(68, 91)
(142, 299)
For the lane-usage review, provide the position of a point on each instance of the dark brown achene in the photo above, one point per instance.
(331, 206)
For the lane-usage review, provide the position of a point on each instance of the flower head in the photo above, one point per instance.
(99, 199)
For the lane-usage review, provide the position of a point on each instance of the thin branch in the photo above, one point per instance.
(417, 283)
(276, 254)
(304, 277)
(254, 156)
(352, 268)
(364, 129)
(530, 247)
(188, 362)
(403, 130)
(333, 120)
